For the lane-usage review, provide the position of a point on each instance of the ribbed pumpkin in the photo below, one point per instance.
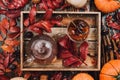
(111, 70)
(107, 6)
(82, 76)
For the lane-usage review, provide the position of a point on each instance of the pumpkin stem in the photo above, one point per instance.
(118, 77)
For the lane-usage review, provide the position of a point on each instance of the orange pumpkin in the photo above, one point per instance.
(111, 71)
(107, 6)
(82, 76)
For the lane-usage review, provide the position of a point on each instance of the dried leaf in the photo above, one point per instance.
(7, 70)
(1, 61)
(43, 5)
(77, 64)
(12, 22)
(37, 24)
(117, 55)
(2, 11)
(36, 30)
(3, 77)
(6, 61)
(1, 56)
(65, 54)
(48, 14)
(12, 42)
(27, 22)
(12, 59)
(57, 76)
(7, 48)
(72, 47)
(27, 75)
(5, 23)
(1, 38)
(116, 36)
(5, 54)
(13, 13)
(63, 42)
(18, 71)
(114, 26)
(13, 35)
(69, 61)
(14, 29)
(56, 22)
(2, 4)
(32, 14)
(1, 72)
(50, 4)
(2, 67)
(2, 29)
(57, 5)
(47, 25)
(65, 6)
(83, 50)
(15, 63)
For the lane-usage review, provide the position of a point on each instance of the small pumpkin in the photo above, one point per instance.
(107, 6)
(111, 70)
(82, 76)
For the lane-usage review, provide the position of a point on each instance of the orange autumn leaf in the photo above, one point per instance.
(12, 42)
(1, 38)
(7, 70)
(5, 23)
(8, 31)
(4, 26)
(7, 48)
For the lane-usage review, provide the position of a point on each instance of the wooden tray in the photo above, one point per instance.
(93, 39)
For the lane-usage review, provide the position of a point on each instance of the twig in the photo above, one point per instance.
(74, 24)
